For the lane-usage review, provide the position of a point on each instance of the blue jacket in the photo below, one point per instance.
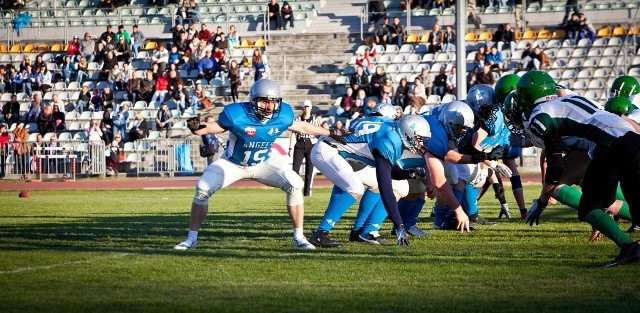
(207, 64)
(497, 58)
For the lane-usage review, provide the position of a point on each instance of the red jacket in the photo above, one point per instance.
(73, 48)
(162, 83)
(4, 140)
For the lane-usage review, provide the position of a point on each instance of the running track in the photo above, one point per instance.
(153, 183)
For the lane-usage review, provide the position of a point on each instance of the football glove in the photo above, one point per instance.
(534, 212)
(496, 153)
(480, 178)
(419, 172)
(194, 125)
(478, 157)
(403, 237)
(337, 135)
(501, 169)
(504, 210)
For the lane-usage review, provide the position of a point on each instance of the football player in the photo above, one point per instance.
(628, 87)
(253, 127)
(546, 118)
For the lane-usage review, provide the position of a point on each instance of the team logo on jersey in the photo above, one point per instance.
(273, 131)
(250, 131)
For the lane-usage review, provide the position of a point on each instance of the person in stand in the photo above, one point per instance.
(4, 149)
(302, 147)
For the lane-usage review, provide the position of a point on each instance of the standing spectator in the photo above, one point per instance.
(137, 38)
(570, 5)
(517, 13)
(74, 47)
(440, 83)
(376, 11)
(495, 59)
(472, 77)
(364, 59)
(359, 80)
(160, 56)
(382, 32)
(94, 133)
(4, 149)
(120, 119)
(402, 93)
(376, 83)
(106, 126)
(164, 119)
(448, 40)
(486, 77)
(21, 149)
(301, 150)
(471, 13)
(435, 39)
(273, 9)
(139, 129)
(11, 111)
(287, 15)
(161, 88)
(235, 79)
(211, 141)
(540, 59)
(259, 63)
(397, 32)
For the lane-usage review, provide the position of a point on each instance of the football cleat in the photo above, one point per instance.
(321, 239)
(374, 238)
(186, 245)
(417, 232)
(595, 235)
(302, 243)
(354, 234)
(477, 220)
(629, 253)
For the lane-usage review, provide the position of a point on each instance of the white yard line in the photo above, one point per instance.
(46, 267)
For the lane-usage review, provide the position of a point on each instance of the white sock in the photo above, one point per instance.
(297, 233)
(193, 235)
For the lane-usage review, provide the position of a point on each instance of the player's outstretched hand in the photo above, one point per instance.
(534, 212)
(463, 221)
(193, 123)
(337, 134)
(403, 237)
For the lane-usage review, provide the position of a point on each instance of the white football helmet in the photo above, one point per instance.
(384, 109)
(414, 131)
(457, 118)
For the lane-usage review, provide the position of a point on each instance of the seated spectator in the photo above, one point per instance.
(472, 77)
(83, 100)
(440, 83)
(94, 133)
(359, 80)
(448, 40)
(376, 10)
(55, 100)
(382, 32)
(109, 62)
(481, 56)
(164, 119)
(587, 30)
(87, 48)
(401, 98)
(540, 59)
(147, 86)
(180, 96)
(68, 70)
(139, 129)
(43, 79)
(273, 9)
(346, 102)
(435, 39)
(73, 47)
(364, 59)
(204, 34)
(495, 59)
(233, 39)
(377, 81)
(451, 81)
(161, 88)
(527, 56)
(387, 92)
(108, 99)
(207, 66)
(505, 37)
(35, 109)
(417, 95)
(11, 111)
(160, 56)
(4, 78)
(426, 80)
(116, 78)
(137, 38)
(397, 32)
(181, 14)
(82, 69)
(106, 4)
(436, 4)
(45, 122)
(573, 28)
(26, 79)
(123, 51)
(59, 119)
(287, 15)
(193, 12)
(106, 126)
(199, 95)
(486, 77)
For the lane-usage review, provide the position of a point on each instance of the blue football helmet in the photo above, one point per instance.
(484, 103)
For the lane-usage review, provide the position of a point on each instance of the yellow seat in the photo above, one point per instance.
(484, 36)
(4, 48)
(424, 38)
(56, 47)
(560, 34)
(545, 34)
(471, 37)
(634, 30)
(619, 31)
(518, 35)
(604, 32)
(259, 43)
(245, 44)
(412, 39)
(529, 35)
(43, 47)
(151, 45)
(17, 48)
(28, 48)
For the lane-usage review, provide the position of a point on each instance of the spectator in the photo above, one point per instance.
(199, 95)
(486, 77)
(4, 149)
(435, 4)
(387, 92)
(451, 81)
(440, 83)
(364, 59)
(359, 80)
(15, 80)
(382, 32)
(401, 98)
(123, 51)
(481, 57)
(113, 157)
(107, 99)
(137, 39)
(233, 39)
(35, 109)
(397, 32)
(273, 9)
(495, 59)
(181, 14)
(55, 100)
(128, 72)
(68, 69)
(376, 10)
(192, 32)
(115, 78)
(164, 119)
(204, 34)
(540, 59)
(43, 79)
(517, 13)
(181, 97)
(377, 81)
(122, 33)
(87, 48)
(106, 39)
(106, 127)
(94, 133)
(259, 63)
(21, 149)
(471, 13)
(106, 4)
(235, 79)
(346, 102)
(426, 80)
(160, 56)
(27, 79)
(83, 100)
(139, 129)
(45, 120)
(417, 95)
(435, 39)
(472, 77)
(109, 62)
(161, 88)
(120, 119)
(587, 30)
(207, 66)
(58, 119)
(570, 5)
(573, 28)
(448, 40)
(74, 47)
(287, 15)
(11, 111)
(526, 58)
(4, 78)
(96, 102)
(146, 87)
(82, 69)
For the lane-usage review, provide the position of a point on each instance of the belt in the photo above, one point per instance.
(331, 144)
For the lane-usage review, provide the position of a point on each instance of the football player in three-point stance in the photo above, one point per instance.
(546, 118)
(253, 127)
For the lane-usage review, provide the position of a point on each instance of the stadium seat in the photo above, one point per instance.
(150, 45)
(529, 35)
(484, 36)
(471, 37)
(604, 32)
(619, 31)
(260, 43)
(425, 38)
(412, 39)
(16, 48)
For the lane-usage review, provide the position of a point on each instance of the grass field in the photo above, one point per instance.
(110, 251)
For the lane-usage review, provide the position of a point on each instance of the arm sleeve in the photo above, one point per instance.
(383, 174)
(553, 150)
(398, 173)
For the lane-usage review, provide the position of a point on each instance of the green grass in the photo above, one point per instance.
(110, 251)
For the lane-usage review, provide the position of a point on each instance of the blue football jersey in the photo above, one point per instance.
(250, 140)
(498, 133)
(410, 160)
(438, 144)
(369, 134)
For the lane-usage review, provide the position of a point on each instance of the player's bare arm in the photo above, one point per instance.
(443, 190)
(308, 128)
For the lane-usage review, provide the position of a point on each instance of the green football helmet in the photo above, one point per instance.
(533, 88)
(505, 85)
(620, 106)
(624, 86)
(511, 117)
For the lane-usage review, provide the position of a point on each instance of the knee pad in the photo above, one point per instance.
(293, 188)
(516, 183)
(202, 196)
(400, 187)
